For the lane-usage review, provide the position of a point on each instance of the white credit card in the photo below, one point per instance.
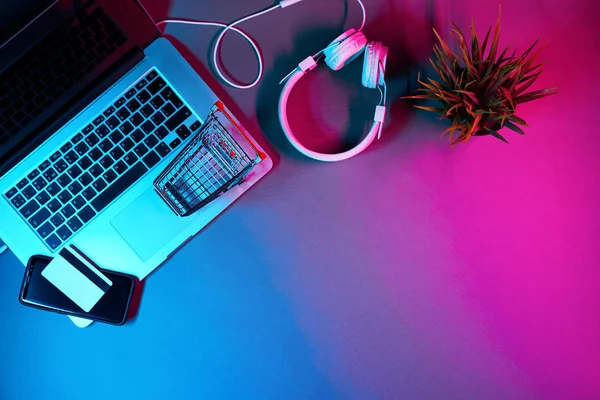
(77, 278)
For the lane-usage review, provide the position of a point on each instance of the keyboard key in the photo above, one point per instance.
(151, 141)
(112, 122)
(18, 201)
(39, 183)
(78, 202)
(178, 118)
(11, 193)
(92, 139)
(71, 157)
(107, 113)
(140, 150)
(33, 174)
(53, 189)
(96, 170)
(81, 148)
(161, 132)
(99, 185)
(119, 186)
(45, 230)
(29, 209)
(64, 180)
(183, 132)
(136, 119)
(127, 144)
(151, 159)
(117, 136)
(157, 102)
(168, 109)
(120, 167)
(133, 105)
(75, 188)
(66, 147)
(39, 217)
(169, 95)
(123, 114)
(64, 233)
(120, 102)
(137, 135)
(143, 96)
(130, 93)
(60, 166)
(158, 118)
(105, 145)
(55, 156)
(175, 143)
(106, 161)
(95, 154)
(141, 84)
(126, 128)
(86, 214)
(130, 159)
(54, 205)
(195, 126)
(42, 197)
(151, 75)
(156, 85)
(53, 241)
(117, 153)
(68, 211)
(99, 120)
(88, 129)
(89, 193)
(57, 220)
(74, 171)
(147, 126)
(77, 138)
(109, 176)
(44, 165)
(29, 192)
(64, 196)
(23, 183)
(75, 224)
(85, 179)
(84, 163)
(50, 174)
(147, 110)
(163, 150)
(102, 131)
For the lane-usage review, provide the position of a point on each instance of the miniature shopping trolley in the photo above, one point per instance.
(218, 158)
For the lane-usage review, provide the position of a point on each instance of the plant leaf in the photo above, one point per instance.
(515, 128)
(496, 135)
(432, 109)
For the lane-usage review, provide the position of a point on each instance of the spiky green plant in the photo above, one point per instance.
(480, 92)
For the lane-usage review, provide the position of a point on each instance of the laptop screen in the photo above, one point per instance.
(55, 66)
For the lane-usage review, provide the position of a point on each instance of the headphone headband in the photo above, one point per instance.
(339, 53)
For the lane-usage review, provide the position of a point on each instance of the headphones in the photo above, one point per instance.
(341, 52)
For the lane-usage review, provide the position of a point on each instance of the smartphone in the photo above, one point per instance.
(38, 292)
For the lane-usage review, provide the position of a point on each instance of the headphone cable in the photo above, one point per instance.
(232, 27)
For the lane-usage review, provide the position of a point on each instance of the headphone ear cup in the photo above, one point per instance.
(344, 49)
(375, 55)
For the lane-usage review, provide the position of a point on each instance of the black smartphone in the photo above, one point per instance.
(38, 292)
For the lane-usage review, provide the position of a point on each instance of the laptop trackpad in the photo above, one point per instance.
(148, 224)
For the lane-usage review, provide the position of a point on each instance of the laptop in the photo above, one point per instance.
(94, 105)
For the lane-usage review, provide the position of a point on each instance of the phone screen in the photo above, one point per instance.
(38, 292)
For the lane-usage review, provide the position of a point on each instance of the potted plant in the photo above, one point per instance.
(478, 89)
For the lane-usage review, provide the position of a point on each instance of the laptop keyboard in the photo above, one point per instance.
(54, 65)
(117, 148)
